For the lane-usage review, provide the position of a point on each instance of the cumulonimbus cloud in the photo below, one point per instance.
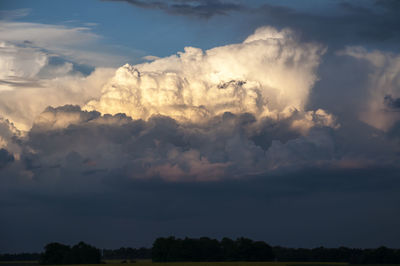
(228, 112)
(269, 75)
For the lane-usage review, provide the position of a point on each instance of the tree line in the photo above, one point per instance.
(172, 249)
(207, 249)
(381, 255)
(126, 253)
(20, 257)
(81, 253)
(244, 249)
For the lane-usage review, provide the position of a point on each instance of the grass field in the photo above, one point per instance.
(149, 262)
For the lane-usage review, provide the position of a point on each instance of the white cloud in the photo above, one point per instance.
(29, 82)
(22, 62)
(150, 57)
(78, 44)
(270, 74)
(43, 64)
(227, 112)
(45, 35)
(23, 104)
(383, 84)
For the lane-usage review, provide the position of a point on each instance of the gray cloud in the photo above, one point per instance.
(392, 103)
(18, 82)
(5, 158)
(390, 5)
(67, 144)
(349, 24)
(66, 139)
(376, 21)
(190, 8)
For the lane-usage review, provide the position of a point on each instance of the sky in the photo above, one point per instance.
(126, 120)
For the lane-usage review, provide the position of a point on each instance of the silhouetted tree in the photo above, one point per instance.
(229, 249)
(207, 249)
(56, 253)
(127, 253)
(81, 253)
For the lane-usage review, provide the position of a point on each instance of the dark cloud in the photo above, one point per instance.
(390, 5)
(350, 24)
(295, 189)
(190, 8)
(67, 139)
(5, 158)
(394, 133)
(347, 22)
(392, 103)
(19, 82)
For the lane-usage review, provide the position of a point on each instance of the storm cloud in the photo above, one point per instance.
(347, 22)
(292, 132)
(228, 112)
(192, 8)
(270, 75)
